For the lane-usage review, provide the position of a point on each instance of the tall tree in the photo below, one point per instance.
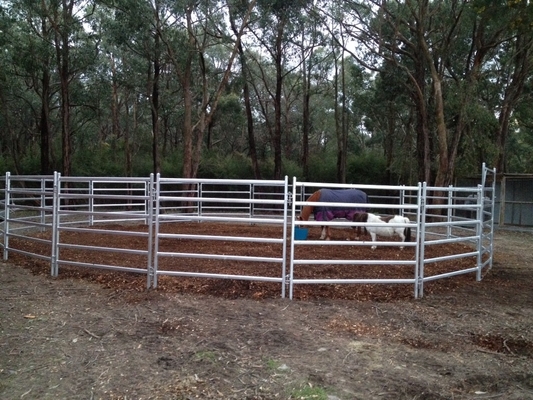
(424, 40)
(234, 11)
(277, 30)
(201, 21)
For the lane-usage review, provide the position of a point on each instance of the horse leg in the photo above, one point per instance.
(324, 235)
(373, 235)
(400, 233)
(359, 232)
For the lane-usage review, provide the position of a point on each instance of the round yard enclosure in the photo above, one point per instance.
(233, 238)
(232, 288)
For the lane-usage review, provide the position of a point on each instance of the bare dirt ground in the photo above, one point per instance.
(95, 335)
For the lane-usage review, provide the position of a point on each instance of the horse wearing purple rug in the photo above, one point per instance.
(330, 212)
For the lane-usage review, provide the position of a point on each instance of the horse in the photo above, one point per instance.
(404, 232)
(327, 213)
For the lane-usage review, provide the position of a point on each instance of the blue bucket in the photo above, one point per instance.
(300, 233)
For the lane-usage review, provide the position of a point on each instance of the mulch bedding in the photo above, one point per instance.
(233, 288)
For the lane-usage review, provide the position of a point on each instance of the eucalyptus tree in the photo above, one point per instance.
(519, 148)
(74, 51)
(275, 31)
(197, 27)
(49, 45)
(16, 74)
(135, 27)
(516, 69)
(445, 51)
(315, 63)
(118, 89)
(28, 62)
(388, 121)
(236, 9)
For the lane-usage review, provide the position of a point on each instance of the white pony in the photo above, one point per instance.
(375, 228)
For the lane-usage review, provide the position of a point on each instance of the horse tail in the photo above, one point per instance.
(407, 231)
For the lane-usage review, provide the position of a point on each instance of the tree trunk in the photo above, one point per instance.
(155, 115)
(44, 123)
(62, 28)
(523, 63)
(342, 141)
(127, 143)
(247, 102)
(63, 53)
(277, 98)
(249, 117)
(336, 108)
(155, 95)
(306, 125)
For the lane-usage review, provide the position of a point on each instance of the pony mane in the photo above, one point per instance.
(360, 217)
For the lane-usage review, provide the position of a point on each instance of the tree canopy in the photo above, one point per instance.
(358, 91)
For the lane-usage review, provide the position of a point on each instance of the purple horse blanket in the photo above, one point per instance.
(327, 213)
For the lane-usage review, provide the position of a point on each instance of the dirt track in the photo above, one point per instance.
(72, 339)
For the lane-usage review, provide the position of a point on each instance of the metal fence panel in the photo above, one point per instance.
(139, 208)
(236, 201)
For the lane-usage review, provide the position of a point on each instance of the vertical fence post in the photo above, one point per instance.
(149, 202)
(450, 211)
(7, 200)
(491, 227)
(421, 239)
(285, 223)
(401, 201)
(199, 203)
(293, 219)
(480, 215)
(91, 202)
(43, 203)
(55, 225)
(150, 217)
(251, 196)
(157, 200)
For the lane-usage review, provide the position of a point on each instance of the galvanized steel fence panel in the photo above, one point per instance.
(83, 204)
(394, 205)
(196, 200)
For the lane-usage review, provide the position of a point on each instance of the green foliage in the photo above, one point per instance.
(98, 161)
(369, 168)
(520, 148)
(171, 165)
(292, 168)
(115, 46)
(233, 166)
(4, 166)
(323, 167)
